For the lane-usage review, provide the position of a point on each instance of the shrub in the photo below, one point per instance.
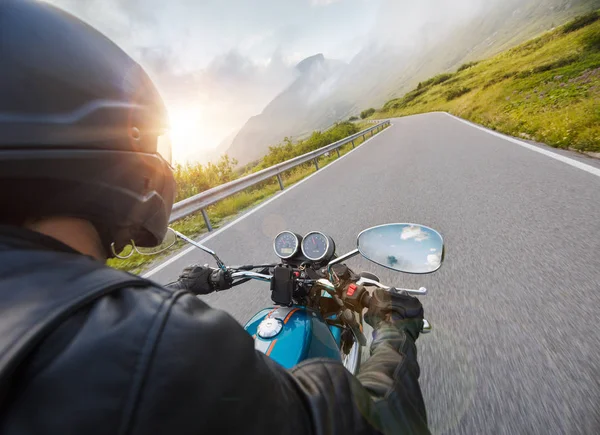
(440, 78)
(353, 118)
(533, 45)
(592, 41)
(453, 94)
(193, 178)
(410, 96)
(318, 139)
(366, 113)
(399, 103)
(449, 82)
(465, 66)
(581, 22)
(391, 104)
(549, 66)
(568, 60)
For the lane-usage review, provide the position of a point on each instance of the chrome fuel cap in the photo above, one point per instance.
(269, 328)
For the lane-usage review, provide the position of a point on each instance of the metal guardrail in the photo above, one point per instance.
(199, 202)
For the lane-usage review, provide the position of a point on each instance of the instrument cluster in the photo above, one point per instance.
(314, 246)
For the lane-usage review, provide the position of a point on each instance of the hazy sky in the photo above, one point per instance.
(218, 62)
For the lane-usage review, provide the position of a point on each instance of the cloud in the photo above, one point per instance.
(231, 57)
(224, 59)
(414, 232)
(434, 260)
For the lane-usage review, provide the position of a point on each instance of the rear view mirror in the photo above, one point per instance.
(406, 248)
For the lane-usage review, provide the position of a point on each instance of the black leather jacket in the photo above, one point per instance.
(151, 360)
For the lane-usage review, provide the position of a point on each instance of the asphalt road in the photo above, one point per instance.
(515, 347)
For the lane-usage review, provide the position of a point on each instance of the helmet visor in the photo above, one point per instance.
(164, 148)
(169, 240)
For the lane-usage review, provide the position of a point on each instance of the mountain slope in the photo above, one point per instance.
(384, 69)
(381, 72)
(316, 78)
(547, 89)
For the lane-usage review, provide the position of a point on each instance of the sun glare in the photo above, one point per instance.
(194, 133)
(185, 129)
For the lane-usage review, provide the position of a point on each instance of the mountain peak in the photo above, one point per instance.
(307, 64)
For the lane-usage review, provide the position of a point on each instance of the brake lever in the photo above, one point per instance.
(422, 291)
(371, 282)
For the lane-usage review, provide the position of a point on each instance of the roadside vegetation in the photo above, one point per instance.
(547, 89)
(366, 113)
(196, 178)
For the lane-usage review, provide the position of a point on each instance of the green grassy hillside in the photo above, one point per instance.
(547, 89)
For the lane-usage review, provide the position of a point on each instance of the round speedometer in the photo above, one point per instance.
(317, 246)
(286, 244)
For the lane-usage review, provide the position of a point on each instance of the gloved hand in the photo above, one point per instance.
(390, 306)
(202, 280)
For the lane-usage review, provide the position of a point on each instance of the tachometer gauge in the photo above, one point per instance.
(317, 246)
(287, 244)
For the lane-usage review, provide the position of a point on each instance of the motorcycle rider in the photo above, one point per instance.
(84, 164)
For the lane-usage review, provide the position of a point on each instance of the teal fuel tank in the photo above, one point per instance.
(291, 335)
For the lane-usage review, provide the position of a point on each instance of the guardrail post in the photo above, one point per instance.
(280, 181)
(316, 160)
(353, 144)
(206, 220)
(338, 152)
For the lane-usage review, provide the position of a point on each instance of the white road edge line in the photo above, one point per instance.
(245, 215)
(569, 161)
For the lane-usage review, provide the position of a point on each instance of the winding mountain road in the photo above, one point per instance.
(515, 347)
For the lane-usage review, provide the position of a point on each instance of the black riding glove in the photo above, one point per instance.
(390, 306)
(196, 279)
(202, 280)
(220, 280)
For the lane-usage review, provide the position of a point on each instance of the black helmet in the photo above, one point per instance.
(82, 128)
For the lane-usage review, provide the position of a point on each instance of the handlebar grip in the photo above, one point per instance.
(220, 280)
(366, 300)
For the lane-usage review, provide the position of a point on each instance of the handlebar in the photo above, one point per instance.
(327, 285)
(251, 275)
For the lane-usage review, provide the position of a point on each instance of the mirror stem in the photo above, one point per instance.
(204, 248)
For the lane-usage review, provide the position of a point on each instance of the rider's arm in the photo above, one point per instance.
(386, 395)
(203, 375)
